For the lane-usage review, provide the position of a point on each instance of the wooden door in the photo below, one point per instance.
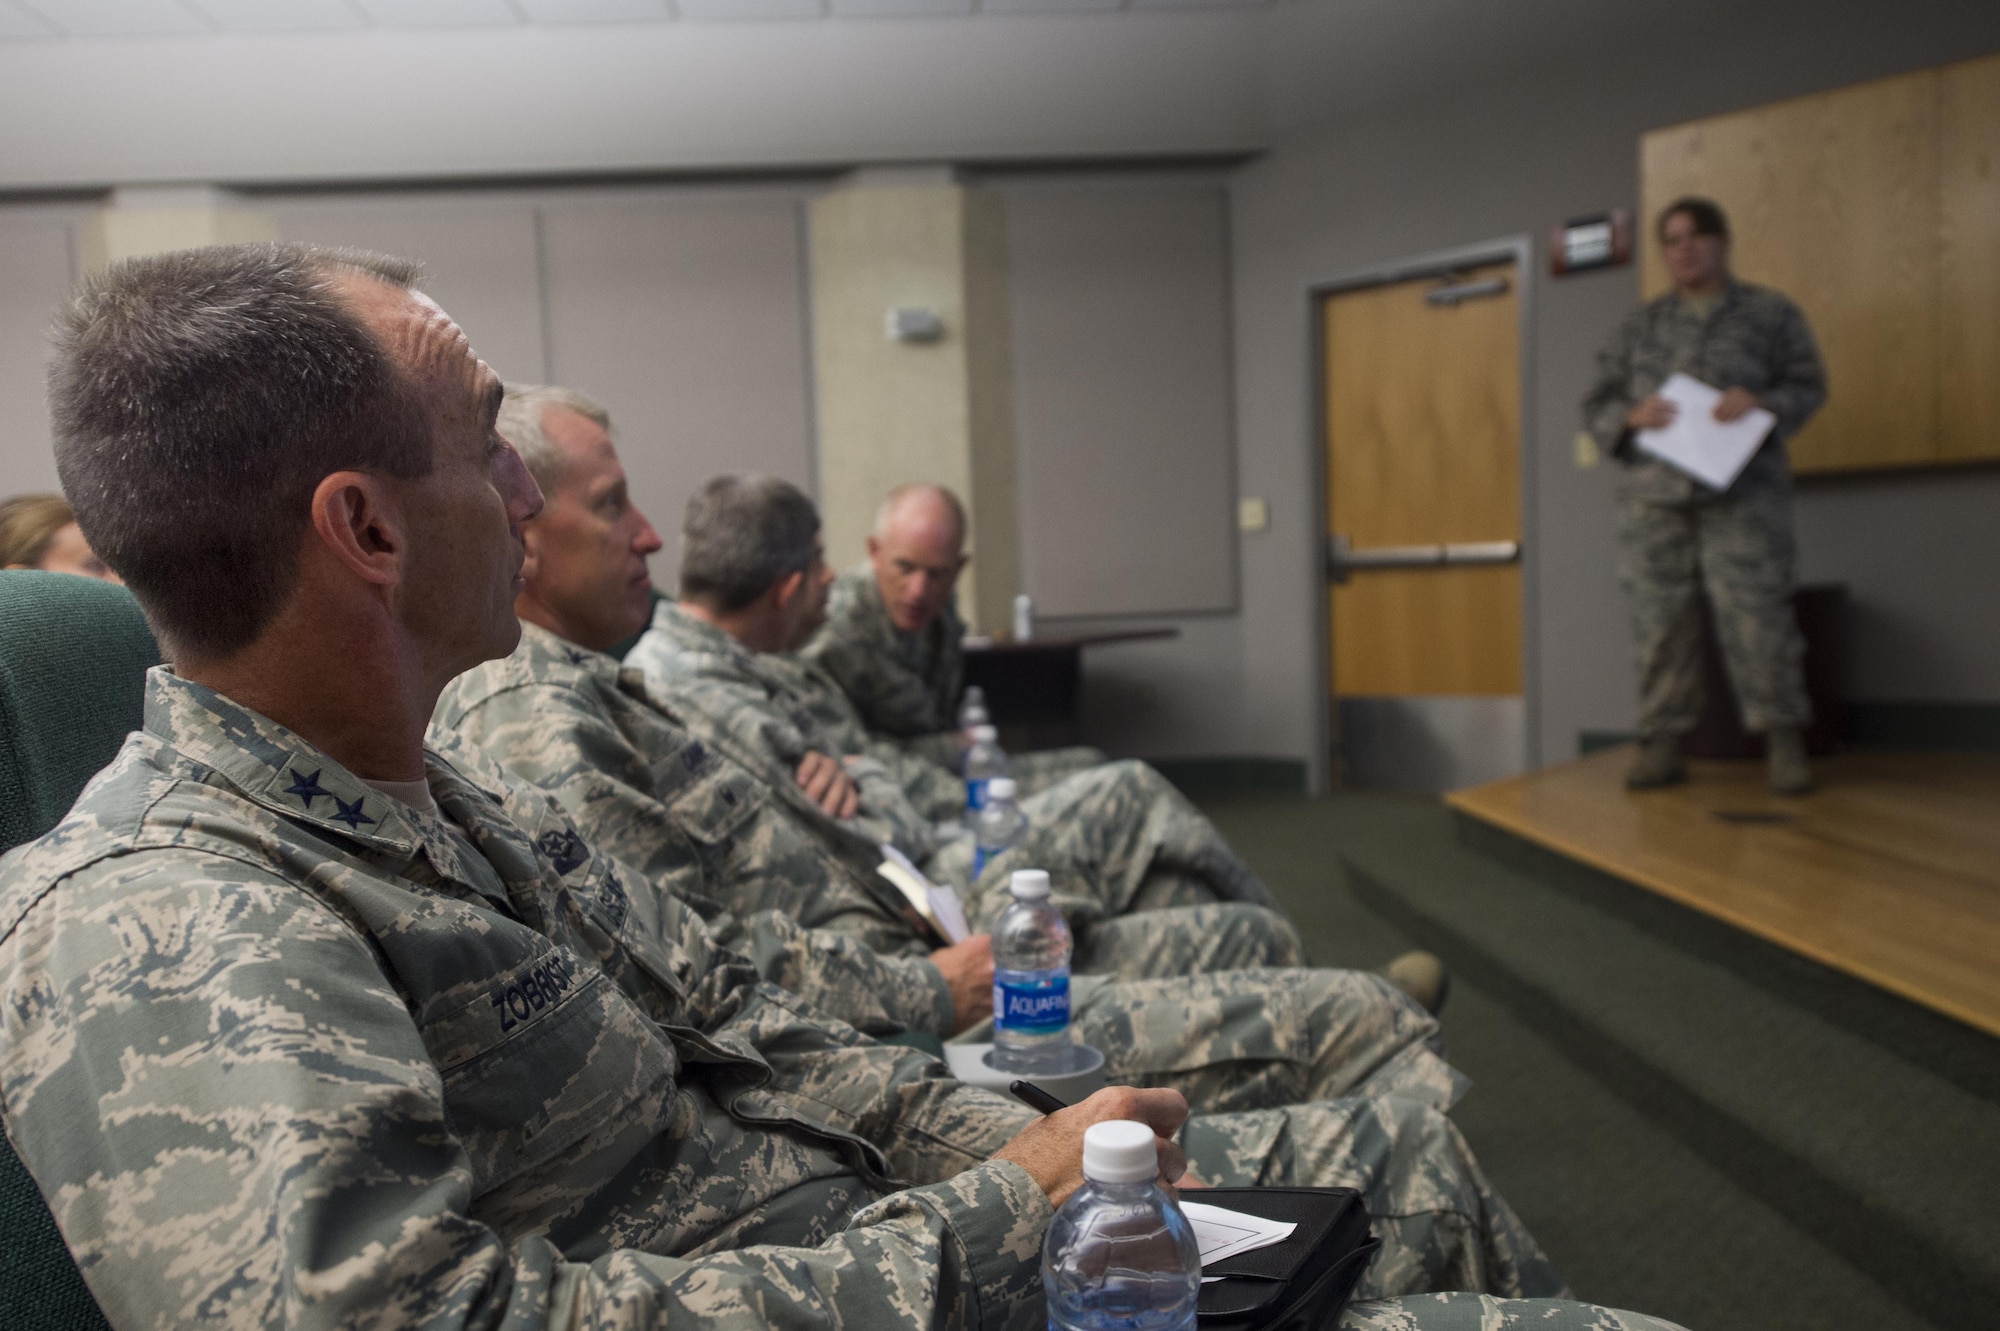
(1422, 449)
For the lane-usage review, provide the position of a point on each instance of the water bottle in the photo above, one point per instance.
(1024, 618)
(972, 711)
(1120, 1254)
(1031, 947)
(983, 761)
(997, 826)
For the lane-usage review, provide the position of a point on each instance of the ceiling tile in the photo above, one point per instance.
(118, 18)
(279, 15)
(440, 13)
(595, 11)
(898, 8)
(706, 10)
(1047, 6)
(1198, 4)
(19, 23)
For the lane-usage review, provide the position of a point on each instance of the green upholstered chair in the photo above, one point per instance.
(73, 659)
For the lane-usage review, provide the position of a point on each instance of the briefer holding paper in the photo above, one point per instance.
(1681, 534)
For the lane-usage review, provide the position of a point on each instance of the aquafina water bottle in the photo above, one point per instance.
(1119, 1254)
(983, 761)
(996, 827)
(1031, 947)
(972, 711)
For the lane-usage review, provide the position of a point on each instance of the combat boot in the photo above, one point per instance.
(1785, 751)
(1659, 764)
(1421, 975)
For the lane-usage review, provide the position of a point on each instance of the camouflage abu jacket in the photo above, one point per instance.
(750, 707)
(699, 826)
(904, 685)
(1753, 338)
(282, 1052)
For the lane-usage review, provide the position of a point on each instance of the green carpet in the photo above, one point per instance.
(1637, 1208)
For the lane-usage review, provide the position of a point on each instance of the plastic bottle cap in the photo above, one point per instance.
(1029, 884)
(985, 735)
(1119, 1151)
(1001, 788)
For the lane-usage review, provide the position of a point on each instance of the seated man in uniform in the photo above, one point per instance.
(1118, 839)
(645, 791)
(312, 1025)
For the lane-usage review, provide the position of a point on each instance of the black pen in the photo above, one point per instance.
(1034, 1097)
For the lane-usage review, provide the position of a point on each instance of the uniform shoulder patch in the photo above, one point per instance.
(565, 849)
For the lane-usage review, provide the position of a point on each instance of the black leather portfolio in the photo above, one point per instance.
(1300, 1284)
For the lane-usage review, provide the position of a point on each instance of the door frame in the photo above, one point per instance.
(1520, 251)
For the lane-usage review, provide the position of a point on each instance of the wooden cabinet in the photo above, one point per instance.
(1876, 208)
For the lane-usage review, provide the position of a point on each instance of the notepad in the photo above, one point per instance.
(935, 902)
(1222, 1233)
(1713, 452)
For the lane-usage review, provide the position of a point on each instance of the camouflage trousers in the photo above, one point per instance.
(1257, 1039)
(938, 792)
(1482, 1312)
(1442, 1225)
(1739, 546)
(1115, 839)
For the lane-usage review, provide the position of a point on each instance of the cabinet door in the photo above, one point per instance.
(1969, 293)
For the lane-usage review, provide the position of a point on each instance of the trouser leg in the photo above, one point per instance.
(1190, 940)
(1442, 1225)
(1103, 832)
(1259, 1039)
(1482, 1312)
(1038, 769)
(1658, 566)
(1749, 553)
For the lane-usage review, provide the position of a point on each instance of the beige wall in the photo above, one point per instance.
(890, 412)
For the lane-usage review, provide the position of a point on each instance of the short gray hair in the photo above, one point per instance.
(741, 536)
(521, 425)
(199, 397)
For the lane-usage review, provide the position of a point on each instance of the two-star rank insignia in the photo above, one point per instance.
(308, 788)
(350, 813)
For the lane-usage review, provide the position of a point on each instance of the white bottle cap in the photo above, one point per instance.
(985, 735)
(1001, 788)
(1029, 884)
(1119, 1151)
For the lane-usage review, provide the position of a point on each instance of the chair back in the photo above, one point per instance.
(73, 660)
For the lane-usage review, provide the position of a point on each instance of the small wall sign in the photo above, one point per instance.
(1602, 240)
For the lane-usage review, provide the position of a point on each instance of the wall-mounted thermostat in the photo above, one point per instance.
(915, 325)
(1603, 240)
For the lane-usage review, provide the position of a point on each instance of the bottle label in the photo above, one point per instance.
(1037, 1006)
(981, 857)
(975, 793)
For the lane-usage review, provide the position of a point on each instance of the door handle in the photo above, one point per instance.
(1343, 560)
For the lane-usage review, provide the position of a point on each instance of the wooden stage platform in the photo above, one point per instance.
(1889, 871)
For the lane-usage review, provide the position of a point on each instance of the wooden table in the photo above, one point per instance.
(1034, 689)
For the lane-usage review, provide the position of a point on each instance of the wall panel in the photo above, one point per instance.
(34, 274)
(687, 320)
(478, 257)
(1834, 201)
(1969, 286)
(1123, 413)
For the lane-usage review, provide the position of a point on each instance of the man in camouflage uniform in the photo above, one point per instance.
(1117, 839)
(643, 790)
(309, 1025)
(1679, 536)
(893, 643)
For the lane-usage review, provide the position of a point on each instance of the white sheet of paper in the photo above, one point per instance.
(1711, 451)
(942, 901)
(1220, 1232)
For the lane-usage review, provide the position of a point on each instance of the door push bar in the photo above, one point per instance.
(1342, 559)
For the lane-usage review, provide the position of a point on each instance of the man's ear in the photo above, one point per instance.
(787, 589)
(361, 525)
(874, 547)
(531, 551)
